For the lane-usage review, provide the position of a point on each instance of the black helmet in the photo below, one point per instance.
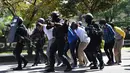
(55, 14)
(19, 20)
(88, 16)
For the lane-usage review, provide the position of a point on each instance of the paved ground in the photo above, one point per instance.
(123, 68)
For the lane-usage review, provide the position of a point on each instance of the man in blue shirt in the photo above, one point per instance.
(108, 35)
(73, 40)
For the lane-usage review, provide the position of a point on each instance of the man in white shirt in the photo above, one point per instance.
(84, 41)
(50, 37)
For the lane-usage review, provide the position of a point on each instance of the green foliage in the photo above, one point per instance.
(1, 33)
(68, 9)
(95, 6)
(31, 10)
(124, 24)
(115, 12)
(4, 21)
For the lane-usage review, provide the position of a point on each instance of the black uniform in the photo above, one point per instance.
(59, 32)
(20, 35)
(93, 50)
(39, 38)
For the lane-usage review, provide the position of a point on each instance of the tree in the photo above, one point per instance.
(91, 6)
(114, 12)
(68, 8)
(41, 8)
(78, 7)
(31, 10)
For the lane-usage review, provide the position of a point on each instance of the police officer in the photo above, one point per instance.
(59, 32)
(38, 36)
(20, 35)
(93, 50)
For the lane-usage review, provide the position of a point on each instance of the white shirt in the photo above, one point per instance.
(81, 33)
(48, 32)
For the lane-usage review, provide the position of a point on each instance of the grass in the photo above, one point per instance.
(126, 48)
(11, 52)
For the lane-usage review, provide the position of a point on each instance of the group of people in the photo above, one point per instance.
(84, 43)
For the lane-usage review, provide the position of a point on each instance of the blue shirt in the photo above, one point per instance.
(71, 35)
(108, 33)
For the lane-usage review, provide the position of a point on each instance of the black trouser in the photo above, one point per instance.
(66, 49)
(108, 48)
(17, 53)
(58, 45)
(93, 52)
(97, 54)
(39, 51)
(73, 51)
(89, 55)
(77, 46)
(88, 51)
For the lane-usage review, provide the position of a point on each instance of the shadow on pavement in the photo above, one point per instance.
(126, 65)
(8, 63)
(128, 51)
(35, 69)
(61, 70)
(5, 71)
(57, 70)
(125, 58)
(127, 68)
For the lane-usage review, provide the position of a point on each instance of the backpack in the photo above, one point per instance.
(91, 31)
(95, 32)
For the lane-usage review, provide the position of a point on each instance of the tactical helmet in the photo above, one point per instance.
(19, 20)
(41, 20)
(88, 16)
(55, 14)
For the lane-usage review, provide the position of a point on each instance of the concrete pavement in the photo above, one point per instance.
(123, 68)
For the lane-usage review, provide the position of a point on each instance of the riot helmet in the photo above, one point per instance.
(40, 22)
(19, 20)
(88, 18)
(55, 16)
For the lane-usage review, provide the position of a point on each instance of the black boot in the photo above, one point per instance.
(24, 61)
(25, 64)
(35, 64)
(17, 68)
(50, 69)
(101, 66)
(68, 69)
(94, 67)
(90, 64)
